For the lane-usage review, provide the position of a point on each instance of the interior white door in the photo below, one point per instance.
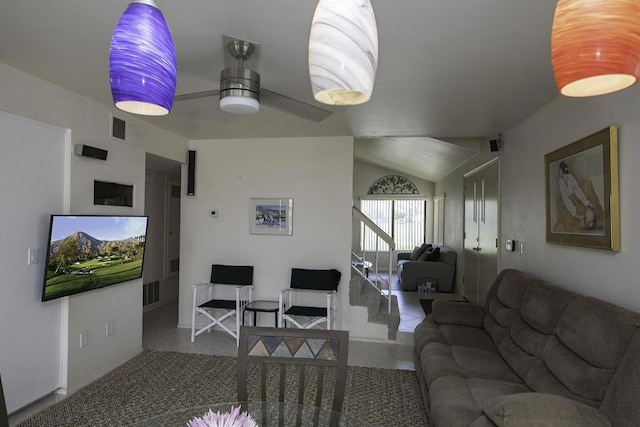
(173, 229)
(487, 252)
(481, 195)
(32, 333)
(470, 260)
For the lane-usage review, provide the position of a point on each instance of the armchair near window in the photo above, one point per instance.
(303, 284)
(211, 298)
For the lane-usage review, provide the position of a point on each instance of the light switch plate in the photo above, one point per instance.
(33, 256)
(510, 245)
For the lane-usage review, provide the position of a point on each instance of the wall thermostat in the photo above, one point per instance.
(510, 245)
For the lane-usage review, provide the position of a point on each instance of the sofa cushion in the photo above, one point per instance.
(418, 251)
(427, 332)
(448, 255)
(484, 389)
(430, 254)
(597, 331)
(536, 409)
(452, 403)
(457, 313)
(543, 305)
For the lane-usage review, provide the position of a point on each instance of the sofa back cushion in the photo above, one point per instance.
(431, 254)
(447, 255)
(418, 251)
(557, 341)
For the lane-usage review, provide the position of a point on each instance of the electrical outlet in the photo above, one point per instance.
(109, 328)
(33, 256)
(84, 339)
(214, 213)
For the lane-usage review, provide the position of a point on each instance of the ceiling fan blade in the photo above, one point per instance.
(196, 95)
(273, 100)
(292, 106)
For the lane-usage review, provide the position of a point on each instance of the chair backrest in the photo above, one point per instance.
(4, 417)
(232, 274)
(325, 280)
(287, 351)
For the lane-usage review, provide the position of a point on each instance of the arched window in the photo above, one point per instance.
(403, 218)
(393, 184)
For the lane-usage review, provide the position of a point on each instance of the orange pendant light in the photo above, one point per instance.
(595, 46)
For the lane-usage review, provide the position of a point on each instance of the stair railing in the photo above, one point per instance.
(367, 263)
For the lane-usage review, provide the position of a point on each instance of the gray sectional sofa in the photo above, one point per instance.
(533, 355)
(442, 269)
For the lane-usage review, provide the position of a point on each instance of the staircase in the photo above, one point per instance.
(363, 294)
(368, 287)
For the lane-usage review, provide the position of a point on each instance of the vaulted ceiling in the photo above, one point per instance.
(447, 69)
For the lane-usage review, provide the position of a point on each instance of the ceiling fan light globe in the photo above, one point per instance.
(239, 105)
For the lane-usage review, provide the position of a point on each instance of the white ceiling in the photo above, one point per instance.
(447, 68)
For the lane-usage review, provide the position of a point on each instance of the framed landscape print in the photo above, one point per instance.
(271, 216)
(582, 206)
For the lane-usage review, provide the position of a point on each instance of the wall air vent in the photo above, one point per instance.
(118, 128)
(123, 131)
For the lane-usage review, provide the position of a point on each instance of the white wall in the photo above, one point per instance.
(33, 188)
(316, 172)
(88, 123)
(604, 274)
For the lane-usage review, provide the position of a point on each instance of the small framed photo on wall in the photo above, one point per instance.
(271, 216)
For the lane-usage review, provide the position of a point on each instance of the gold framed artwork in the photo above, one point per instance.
(582, 204)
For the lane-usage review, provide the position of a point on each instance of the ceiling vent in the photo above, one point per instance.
(123, 131)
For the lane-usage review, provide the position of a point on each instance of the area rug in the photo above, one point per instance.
(157, 382)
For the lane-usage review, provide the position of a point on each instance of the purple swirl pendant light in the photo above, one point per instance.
(142, 61)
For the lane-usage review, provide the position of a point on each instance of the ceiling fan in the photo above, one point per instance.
(240, 91)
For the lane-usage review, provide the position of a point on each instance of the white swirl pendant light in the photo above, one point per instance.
(343, 52)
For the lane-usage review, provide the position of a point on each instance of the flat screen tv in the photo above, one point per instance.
(88, 252)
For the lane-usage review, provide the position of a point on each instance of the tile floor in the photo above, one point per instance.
(160, 333)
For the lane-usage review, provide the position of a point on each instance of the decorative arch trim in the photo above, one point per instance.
(393, 184)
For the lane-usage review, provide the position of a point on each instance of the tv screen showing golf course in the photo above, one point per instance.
(88, 252)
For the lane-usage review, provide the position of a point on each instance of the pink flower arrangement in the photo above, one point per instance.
(226, 419)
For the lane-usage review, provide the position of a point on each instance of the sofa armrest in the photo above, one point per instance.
(550, 410)
(457, 313)
(411, 271)
(404, 256)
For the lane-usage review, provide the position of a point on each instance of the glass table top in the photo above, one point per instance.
(264, 413)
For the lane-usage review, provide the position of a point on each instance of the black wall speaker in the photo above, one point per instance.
(494, 144)
(191, 173)
(89, 151)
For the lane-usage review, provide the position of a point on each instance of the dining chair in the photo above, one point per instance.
(209, 299)
(4, 417)
(305, 281)
(290, 362)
